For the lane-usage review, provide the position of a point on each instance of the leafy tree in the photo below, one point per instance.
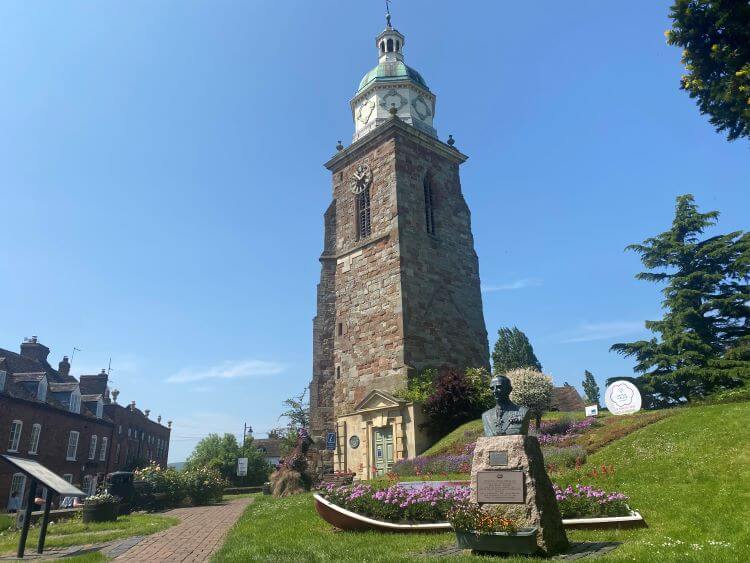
(459, 396)
(715, 36)
(707, 302)
(512, 351)
(531, 389)
(221, 453)
(298, 411)
(590, 388)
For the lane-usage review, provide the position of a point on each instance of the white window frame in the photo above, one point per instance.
(75, 402)
(36, 432)
(105, 445)
(16, 429)
(99, 409)
(68, 477)
(41, 391)
(72, 445)
(92, 446)
(17, 477)
(86, 483)
(117, 454)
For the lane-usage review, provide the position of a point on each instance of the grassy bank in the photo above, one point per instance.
(688, 474)
(75, 532)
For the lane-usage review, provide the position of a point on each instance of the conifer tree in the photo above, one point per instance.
(590, 388)
(703, 337)
(513, 351)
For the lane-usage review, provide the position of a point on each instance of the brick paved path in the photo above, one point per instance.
(199, 535)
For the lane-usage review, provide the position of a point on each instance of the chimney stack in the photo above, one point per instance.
(31, 348)
(147, 412)
(63, 368)
(132, 406)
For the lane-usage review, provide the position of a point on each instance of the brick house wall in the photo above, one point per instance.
(136, 437)
(56, 426)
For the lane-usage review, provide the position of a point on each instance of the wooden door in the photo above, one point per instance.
(383, 450)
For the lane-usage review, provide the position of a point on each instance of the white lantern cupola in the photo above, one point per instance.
(392, 85)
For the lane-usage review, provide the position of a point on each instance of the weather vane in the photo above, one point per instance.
(388, 12)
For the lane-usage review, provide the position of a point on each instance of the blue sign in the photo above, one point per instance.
(331, 441)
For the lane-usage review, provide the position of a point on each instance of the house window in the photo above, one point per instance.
(103, 454)
(72, 452)
(68, 477)
(36, 431)
(119, 429)
(41, 392)
(87, 484)
(15, 435)
(17, 485)
(363, 214)
(75, 402)
(429, 213)
(92, 447)
(3, 373)
(117, 453)
(99, 409)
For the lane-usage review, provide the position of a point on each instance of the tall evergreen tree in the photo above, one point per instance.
(715, 38)
(513, 351)
(590, 388)
(704, 333)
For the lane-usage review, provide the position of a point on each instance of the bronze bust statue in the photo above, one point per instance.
(507, 418)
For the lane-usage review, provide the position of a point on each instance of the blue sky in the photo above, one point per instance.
(163, 189)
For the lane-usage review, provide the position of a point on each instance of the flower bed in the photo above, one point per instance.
(583, 501)
(398, 504)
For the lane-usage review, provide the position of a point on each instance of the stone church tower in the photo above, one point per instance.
(399, 285)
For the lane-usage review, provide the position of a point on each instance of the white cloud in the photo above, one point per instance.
(227, 370)
(588, 332)
(510, 286)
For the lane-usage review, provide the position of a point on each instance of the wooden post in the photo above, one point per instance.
(27, 518)
(45, 521)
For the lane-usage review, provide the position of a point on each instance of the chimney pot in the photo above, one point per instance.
(64, 366)
(115, 394)
(158, 419)
(147, 412)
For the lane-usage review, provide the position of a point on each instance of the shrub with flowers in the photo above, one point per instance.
(556, 458)
(431, 465)
(471, 518)
(203, 485)
(582, 501)
(167, 482)
(398, 504)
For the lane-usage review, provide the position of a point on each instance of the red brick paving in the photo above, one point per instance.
(199, 535)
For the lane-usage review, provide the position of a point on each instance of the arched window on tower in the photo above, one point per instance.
(363, 214)
(390, 45)
(398, 45)
(382, 46)
(429, 211)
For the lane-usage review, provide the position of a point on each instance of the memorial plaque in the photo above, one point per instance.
(500, 487)
(498, 458)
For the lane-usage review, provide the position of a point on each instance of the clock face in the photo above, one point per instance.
(364, 111)
(360, 179)
(421, 108)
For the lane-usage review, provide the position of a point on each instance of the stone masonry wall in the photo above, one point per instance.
(443, 317)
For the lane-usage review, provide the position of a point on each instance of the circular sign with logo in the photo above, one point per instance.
(354, 442)
(622, 397)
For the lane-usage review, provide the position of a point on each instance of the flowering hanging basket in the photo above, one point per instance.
(522, 541)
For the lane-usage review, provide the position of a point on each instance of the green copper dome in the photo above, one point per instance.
(391, 72)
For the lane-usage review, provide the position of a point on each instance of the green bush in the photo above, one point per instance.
(6, 521)
(203, 485)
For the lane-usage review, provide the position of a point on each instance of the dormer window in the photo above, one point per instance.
(75, 402)
(99, 408)
(41, 392)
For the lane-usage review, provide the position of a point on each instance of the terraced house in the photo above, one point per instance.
(74, 427)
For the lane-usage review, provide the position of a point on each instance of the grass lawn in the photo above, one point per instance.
(688, 474)
(75, 532)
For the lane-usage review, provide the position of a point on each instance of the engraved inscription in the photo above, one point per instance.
(500, 487)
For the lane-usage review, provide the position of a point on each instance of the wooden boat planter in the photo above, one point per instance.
(351, 521)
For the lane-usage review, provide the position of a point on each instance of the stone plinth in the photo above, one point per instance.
(521, 453)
